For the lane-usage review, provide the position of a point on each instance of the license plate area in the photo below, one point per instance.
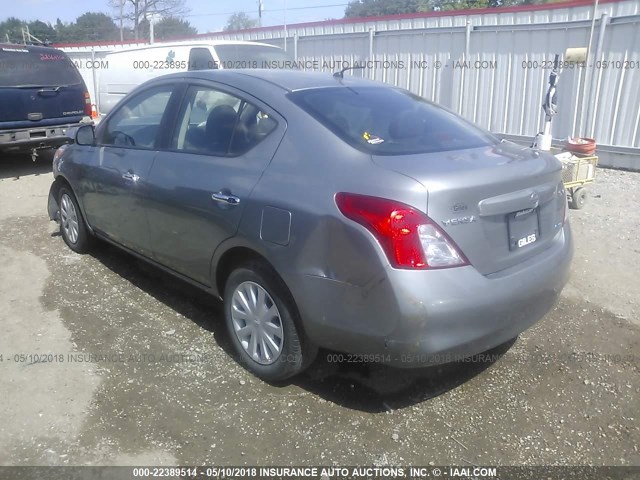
(524, 228)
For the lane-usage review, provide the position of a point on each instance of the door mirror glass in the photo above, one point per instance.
(85, 135)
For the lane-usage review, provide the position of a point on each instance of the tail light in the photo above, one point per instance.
(87, 104)
(408, 237)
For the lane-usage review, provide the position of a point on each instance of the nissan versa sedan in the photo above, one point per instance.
(326, 212)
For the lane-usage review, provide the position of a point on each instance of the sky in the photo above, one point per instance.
(205, 15)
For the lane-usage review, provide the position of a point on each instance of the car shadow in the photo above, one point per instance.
(368, 387)
(16, 166)
(374, 387)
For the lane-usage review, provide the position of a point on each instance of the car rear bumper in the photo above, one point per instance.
(412, 318)
(37, 137)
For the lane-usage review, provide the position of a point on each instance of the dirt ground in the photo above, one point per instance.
(140, 372)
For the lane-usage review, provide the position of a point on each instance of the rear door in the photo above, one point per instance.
(221, 143)
(118, 174)
(39, 87)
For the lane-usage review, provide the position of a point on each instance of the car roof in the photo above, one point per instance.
(290, 80)
(31, 48)
(191, 43)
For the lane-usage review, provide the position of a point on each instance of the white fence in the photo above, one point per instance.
(491, 67)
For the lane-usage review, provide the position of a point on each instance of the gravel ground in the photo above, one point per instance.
(608, 239)
(566, 392)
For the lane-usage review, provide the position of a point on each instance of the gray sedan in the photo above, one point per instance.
(326, 212)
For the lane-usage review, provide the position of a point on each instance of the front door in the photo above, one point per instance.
(201, 185)
(114, 198)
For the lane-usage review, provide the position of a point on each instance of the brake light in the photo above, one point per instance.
(408, 237)
(87, 104)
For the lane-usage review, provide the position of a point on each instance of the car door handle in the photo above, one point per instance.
(225, 198)
(130, 176)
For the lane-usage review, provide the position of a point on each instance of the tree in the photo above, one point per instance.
(11, 30)
(43, 31)
(240, 21)
(373, 8)
(90, 26)
(138, 10)
(172, 27)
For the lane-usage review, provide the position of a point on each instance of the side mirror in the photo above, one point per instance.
(85, 135)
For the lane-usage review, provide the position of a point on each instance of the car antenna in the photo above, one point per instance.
(340, 74)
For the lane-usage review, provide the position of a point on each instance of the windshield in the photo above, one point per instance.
(389, 121)
(20, 67)
(253, 56)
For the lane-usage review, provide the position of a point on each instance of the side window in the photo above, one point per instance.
(201, 59)
(215, 123)
(137, 122)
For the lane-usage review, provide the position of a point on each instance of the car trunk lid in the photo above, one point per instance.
(501, 204)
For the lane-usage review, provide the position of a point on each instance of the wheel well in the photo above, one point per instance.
(241, 255)
(231, 259)
(58, 183)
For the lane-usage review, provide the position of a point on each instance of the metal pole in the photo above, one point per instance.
(591, 121)
(467, 54)
(372, 34)
(121, 27)
(95, 80)
(285, 25)
(295, 46)
(593, 25)
(586, 86)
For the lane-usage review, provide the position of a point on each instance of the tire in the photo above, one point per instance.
(578, 198)
(252, 288)
(72, 225)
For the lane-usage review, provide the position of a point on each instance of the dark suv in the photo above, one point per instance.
(41, 95)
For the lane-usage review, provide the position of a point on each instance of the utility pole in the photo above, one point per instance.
(121, 14)
(260, 8)
(285, 25)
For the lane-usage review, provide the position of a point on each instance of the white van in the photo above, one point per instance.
(128, 68)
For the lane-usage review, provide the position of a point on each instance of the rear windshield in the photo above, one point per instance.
(389, 121)
(22, 67)
(253, 56)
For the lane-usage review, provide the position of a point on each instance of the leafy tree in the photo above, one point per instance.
(11, 30)
(167, 28)
(468, 4)
(372, 8)
(43, 31)
(367, 8)
(173, 27)
(88, 27)
(240, 21)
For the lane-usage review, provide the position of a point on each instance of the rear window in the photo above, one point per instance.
(389, 121)
(253, 56)
(22, 67)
